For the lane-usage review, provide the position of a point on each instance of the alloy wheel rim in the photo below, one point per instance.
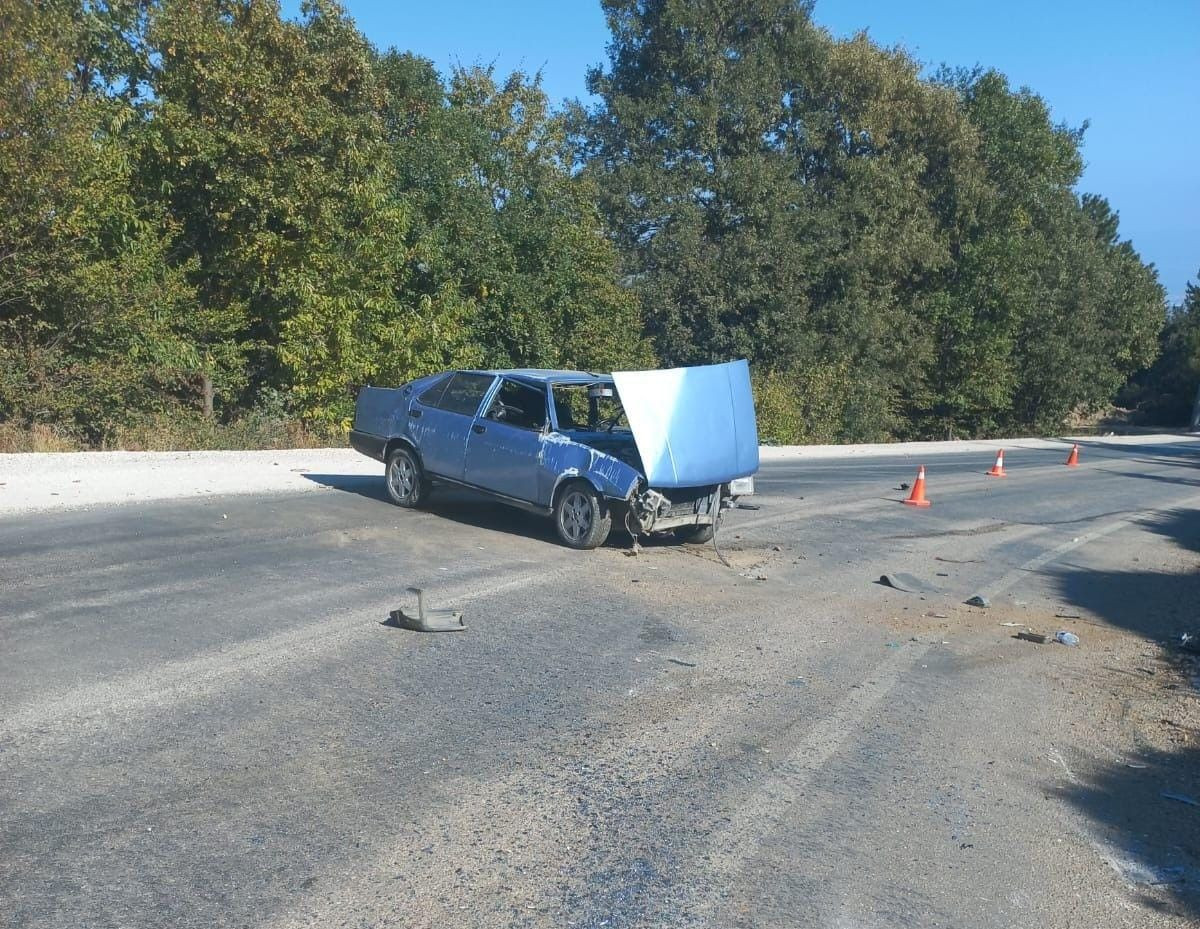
(402, 477)
(576, 520)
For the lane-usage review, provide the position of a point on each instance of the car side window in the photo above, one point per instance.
(520, 405)
(465, 392)
(432, 395)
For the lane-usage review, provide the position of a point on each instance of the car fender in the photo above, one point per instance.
(565, 459)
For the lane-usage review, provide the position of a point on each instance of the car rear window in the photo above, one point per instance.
(432, 395)
(464, 393)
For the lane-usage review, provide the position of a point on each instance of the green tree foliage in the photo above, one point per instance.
(816, 206)
(205, 198)
(1046, 310)
(504, 222)
(93, 320)
(1166, 392)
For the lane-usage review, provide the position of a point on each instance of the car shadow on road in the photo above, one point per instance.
(1147, 806)
(462, 506)
(365, 485)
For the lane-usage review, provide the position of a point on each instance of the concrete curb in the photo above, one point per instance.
(917, 449)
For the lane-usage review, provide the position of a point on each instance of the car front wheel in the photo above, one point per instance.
(580, 516)
(405, 482)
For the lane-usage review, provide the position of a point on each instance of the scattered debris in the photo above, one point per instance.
(798, 682)
(776, 548)
(1030, 636)
(904, 485)
(1067, 616)
(979, 600)
(1022, 625)
(440, 620)
(1063, 637)
(1181, 798)
(941, 574)
(1190, 642)
(908, 583)
(938, 615)
(682, 663)
(958, 560)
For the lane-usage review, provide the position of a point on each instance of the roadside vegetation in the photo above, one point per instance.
(216, 224)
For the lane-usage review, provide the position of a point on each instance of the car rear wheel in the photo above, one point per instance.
(695, 534)
(580, 516)
(405, 483)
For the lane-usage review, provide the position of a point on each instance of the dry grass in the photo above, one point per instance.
(174, 433)
(37, 438)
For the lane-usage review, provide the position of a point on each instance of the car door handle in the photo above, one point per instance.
(479, 428)
(415, 414)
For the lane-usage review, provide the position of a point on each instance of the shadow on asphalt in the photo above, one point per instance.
(462, 506)
(1125, 802)
(365, 485)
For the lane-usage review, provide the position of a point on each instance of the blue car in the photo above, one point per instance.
(651, 451)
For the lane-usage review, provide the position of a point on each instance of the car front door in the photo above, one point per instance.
(505, 441)
(442, 421)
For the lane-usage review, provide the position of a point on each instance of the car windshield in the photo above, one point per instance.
(589, 408)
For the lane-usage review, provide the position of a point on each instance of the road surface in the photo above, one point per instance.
(204, 722)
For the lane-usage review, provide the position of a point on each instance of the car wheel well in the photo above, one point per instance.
(394, 444)
(566, 482)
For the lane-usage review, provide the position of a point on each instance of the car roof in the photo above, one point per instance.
(550, 375)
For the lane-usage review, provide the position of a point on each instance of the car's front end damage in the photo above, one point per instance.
(692, 439)
(650, 510)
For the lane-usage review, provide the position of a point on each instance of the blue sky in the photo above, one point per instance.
(1131, 70)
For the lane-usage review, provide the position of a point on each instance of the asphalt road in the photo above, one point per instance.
(204, 722)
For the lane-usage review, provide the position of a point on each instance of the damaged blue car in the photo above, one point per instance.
(650, 451)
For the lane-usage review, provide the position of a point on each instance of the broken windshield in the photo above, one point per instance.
(589, 408)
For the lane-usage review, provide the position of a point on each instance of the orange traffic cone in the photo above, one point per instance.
(917, 497)
(998, 467)
(1073, 458)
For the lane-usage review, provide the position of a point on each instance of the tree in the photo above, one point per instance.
(93, 321)
(1047, 311)
(502, 220)
(780, 196)
(1165, 394)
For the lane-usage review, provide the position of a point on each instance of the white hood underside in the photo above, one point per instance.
(692, 426)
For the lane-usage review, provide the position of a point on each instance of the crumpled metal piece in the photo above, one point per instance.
(427, 620)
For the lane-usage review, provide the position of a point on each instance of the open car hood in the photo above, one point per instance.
(692, 426)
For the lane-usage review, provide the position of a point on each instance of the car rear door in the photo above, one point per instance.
(440, 422)
(505, 442)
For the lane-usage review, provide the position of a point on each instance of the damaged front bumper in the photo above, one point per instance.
(650, 510)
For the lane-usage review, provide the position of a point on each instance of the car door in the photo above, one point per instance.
(505, 441)
(440, 421)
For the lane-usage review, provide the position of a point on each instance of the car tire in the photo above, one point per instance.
(695, 535)
(580, 516)
(405, 481)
